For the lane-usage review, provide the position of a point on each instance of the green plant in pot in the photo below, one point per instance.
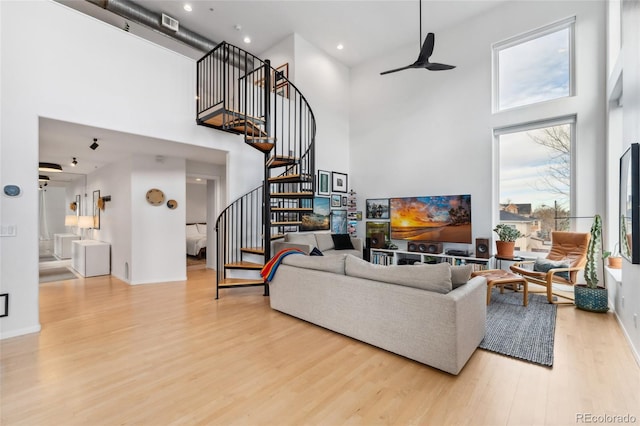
(614, 260)
(589, 296)
(507, 236)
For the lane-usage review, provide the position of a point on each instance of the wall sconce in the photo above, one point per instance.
(71, 220)
(102, 201)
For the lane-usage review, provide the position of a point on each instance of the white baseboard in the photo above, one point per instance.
(634, 351)
(20, 332)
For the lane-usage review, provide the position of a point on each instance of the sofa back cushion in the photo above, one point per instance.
(435, 277)
(342, 241)
(460, 274)
(330, 263)
(296, 238)
(325, 241)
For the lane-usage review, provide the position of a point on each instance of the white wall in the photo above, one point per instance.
(418, 132)
(61, 64)
(629, 289)
(53, 208)
(196, 202)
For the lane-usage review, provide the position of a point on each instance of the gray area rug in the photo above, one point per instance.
(56, 274)
(523, 332)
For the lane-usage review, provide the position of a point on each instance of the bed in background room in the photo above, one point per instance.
(197, 239)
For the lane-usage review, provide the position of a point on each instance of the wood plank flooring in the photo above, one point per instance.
(170, 354)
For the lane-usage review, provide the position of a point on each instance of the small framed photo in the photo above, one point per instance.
(283, 90)
(376, 227)
(281, 75)
(339, 182)
(324, 179)
(336, 200)
(344, 201)
(378, 208)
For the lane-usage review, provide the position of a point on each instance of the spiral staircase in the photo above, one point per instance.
(242, 94)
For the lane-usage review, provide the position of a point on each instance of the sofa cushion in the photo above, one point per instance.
(331, 263)
(460, 274)
(325, 241)
(435, 278)
(315, 252)
(544, 265)
(308, 239)
(342, 241)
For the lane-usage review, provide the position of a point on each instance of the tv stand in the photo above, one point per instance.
(400, 257)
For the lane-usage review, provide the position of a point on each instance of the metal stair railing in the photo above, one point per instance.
(237, 92)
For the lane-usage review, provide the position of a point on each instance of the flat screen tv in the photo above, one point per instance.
(441, 218)
(630, 204)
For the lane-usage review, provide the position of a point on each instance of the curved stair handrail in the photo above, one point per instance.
(240, 93)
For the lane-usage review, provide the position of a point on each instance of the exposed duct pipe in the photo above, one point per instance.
(139, 14)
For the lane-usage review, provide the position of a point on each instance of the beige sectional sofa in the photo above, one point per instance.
(322, 240)
(411, 310)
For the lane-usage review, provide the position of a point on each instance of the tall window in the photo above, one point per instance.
(535, 176)
(534, 67)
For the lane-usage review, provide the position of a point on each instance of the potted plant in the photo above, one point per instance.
(507, 236)
(589, 296)
(614, 259)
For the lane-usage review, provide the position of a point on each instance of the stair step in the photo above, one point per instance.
(292, 195)
(291, 209)
(243, 265)
(262, 146)
(291, 178)
(281, 160)
(287, 223)
(252, 250)
(277, 237)
(239, 282)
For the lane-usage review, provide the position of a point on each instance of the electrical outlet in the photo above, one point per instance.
(8, 230)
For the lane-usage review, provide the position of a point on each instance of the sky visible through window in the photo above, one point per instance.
(535, 71)
(532, 173)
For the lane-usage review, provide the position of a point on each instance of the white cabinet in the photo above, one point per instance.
(91, 258)
(399, 257)
(62, 245)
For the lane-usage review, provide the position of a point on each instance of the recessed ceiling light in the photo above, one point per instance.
(247, 39)
(187, 7)
(198, 180)
(340, 46)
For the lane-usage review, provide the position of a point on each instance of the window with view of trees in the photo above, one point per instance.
(534, 67)
(535, 170)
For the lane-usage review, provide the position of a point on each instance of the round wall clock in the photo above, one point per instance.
(172, 204)
(155, 197)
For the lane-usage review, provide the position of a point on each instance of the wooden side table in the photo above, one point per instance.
(499, 277)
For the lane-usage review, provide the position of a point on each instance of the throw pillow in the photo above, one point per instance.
(315, 252)
(331, 263)
(297, 238)
(460, 275)
(342, 241)
(325, 241)
(436, 278)
(544, 265)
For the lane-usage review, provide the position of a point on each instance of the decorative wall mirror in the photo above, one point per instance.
(96, 209)
(630, 204)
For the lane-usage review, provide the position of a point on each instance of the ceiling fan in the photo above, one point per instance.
(425, 53)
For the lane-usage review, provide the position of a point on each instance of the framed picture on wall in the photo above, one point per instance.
(336, 200)
(378, 208)
(319, 219)
(339, 182)
(338, 221)
(324, 180)
(377, 227)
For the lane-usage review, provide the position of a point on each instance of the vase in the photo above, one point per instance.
(615, 262)
(591, 299)
(505, 249)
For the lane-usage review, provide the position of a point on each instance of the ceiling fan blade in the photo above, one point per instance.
(396, 70)
(427, 49)
(434, 66)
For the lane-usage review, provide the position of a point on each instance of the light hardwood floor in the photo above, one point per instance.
(113, 354)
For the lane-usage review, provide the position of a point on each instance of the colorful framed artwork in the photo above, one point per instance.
(378, 208)
(339, 182)
(319, 219)
(338, 221)
(377, 227)
(324, 180)
(336, 200)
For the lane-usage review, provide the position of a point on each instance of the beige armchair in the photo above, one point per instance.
(570, 248)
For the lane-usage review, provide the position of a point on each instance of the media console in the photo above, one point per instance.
(400, 257)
